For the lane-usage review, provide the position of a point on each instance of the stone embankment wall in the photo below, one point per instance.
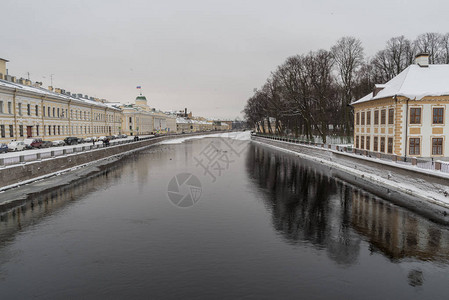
(423, 191)
(18, 173)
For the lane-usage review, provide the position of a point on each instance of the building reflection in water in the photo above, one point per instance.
(39, 206)
(307, 206)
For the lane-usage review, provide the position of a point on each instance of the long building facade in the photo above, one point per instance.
(27, 110)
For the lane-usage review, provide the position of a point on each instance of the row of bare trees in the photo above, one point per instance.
(309, 94)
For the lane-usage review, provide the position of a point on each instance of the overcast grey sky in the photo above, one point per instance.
(204, 55)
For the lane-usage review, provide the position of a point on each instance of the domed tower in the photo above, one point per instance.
(141, 101)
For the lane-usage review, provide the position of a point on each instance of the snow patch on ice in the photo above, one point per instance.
(239, 135)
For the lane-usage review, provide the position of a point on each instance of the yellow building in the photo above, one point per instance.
(407, 115)
(27, 110)
(140, 119)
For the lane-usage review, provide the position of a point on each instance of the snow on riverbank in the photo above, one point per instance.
(238, 135)
(424, 191)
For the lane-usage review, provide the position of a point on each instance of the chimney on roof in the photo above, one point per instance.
(377, 89)
(50, 88)
(3, 69)
(422, 59)
(57, 90)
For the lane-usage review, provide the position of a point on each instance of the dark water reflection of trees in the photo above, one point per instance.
(308, 206)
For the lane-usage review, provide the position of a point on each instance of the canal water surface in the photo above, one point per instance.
(218, 219)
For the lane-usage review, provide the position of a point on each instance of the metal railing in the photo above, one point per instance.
(29, 157)
(426, 164)
(24, 158)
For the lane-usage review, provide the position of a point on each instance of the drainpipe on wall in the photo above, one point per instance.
(69, 116)
(15, 114)
(406, 130)
(91, 121)
(42, 117)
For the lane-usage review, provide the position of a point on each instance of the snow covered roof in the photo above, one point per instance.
(182, 121)
(415, 83)
(44, 92)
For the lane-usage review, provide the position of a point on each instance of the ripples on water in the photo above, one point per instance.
(272, 226)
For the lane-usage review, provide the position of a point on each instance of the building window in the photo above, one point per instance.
(49, 111)
(414, 147)
(362, 142)
(54, 129)
(49, 129)
(368, 117)
(9, 108)
(58, 112)
(37, 110)
(29, 109)
(20, 110)
(1, 107)
(391, 116)
(43, 110)
(368, 143)
(390, 145)
(54, 115)
(131, 119)
(438, 115)
(21, 130)
(363, 118)
(437, 146)
(11, 131)
(383, 115)
(382, 144)
(2, 131)
(415, 115)
(376, 117)
(37, 130)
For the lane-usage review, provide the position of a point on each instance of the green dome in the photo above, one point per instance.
(141, 98)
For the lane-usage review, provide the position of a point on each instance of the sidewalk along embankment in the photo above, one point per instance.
(425, 192)
(11, 176)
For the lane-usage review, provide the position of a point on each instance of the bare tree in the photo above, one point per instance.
(430, 43)
(444, 46)
(348, 56)
(389, 62)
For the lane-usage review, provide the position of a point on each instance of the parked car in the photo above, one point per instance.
(88, 140)
(122, 136)
(58, 143)
(16, 146)
(27, 143)
(32, 143)
(46, 144)
(36, 143)
(81, 140)
(3, 148)
(101, 138)
(71, 140)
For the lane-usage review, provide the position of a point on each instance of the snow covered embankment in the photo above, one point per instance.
(424, 191)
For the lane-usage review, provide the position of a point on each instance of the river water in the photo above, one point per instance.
(218, 219)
